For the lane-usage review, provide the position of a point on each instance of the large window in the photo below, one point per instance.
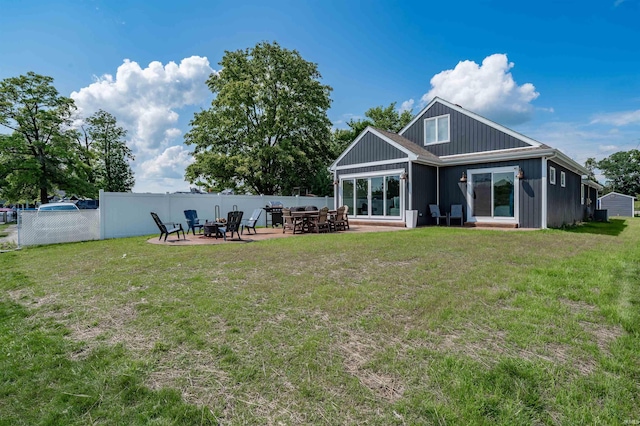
(372, 196)
(436, 130)
(492, 194)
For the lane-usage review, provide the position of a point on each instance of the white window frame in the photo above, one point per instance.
(516, 196)
(552, 175)
(563, 179)
(582, 194)
(437, 120)
(367, 175)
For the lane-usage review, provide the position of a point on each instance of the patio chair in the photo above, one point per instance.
(290, 222)
(167, 228)
(435, 213)
(456, 213)
(251, 222)
(321, 223)
(341, 221)
(234, 221)
(192, 221)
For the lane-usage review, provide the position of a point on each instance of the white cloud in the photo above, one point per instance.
(407, 106)
(618, 3)
(165, 172)
(487, 89)
(147, 102)
(621, 118)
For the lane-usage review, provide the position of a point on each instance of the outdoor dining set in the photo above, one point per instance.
(296, 219)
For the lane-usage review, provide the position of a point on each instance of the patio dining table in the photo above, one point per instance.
(308, 216)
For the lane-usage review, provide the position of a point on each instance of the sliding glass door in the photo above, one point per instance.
(493, 194)
(377, 196)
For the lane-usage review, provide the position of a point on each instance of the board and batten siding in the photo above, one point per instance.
(369, 149)
(452, 191)
(423, 183)
(563, 204)
(466, 134)
(590, 201)
(617, 204)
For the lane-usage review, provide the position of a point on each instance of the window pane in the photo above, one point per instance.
(443, 129)
(377, 196)
(481, 194)
(347, 194)
(362, 196)
(393, 195)
(431, 130)
(503, 191)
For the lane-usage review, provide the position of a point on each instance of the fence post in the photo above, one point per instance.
(101, 208)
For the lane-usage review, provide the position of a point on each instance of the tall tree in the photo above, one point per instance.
(267, 130)
(107, 152)
(622, 170)
(40, 153)
(385, 118)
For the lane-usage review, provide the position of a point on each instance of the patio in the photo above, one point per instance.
(262, 234)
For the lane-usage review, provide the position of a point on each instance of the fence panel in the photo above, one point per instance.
(52, 227)
(127, 214)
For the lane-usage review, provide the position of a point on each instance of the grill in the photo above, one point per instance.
(274, 213)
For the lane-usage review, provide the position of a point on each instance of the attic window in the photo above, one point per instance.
(563, 179)
(436, 130)
(552, 175)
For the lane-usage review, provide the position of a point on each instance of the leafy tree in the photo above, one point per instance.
(622, 170)
(105, 150)
(40, 155)
(591, 165)
(388, 118)
(267, 130)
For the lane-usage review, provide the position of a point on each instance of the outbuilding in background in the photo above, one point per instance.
(617, 204)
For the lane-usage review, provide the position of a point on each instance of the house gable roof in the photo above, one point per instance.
(412, 151)
(473, 115)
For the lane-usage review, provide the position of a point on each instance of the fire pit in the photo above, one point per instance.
(274, 213)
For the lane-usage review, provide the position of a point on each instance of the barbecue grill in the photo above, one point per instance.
(274, 213)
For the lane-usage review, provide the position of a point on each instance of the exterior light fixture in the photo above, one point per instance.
(336, 182)
(463, 178)
(404, 176)
(520, 174)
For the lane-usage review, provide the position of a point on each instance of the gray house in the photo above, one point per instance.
(448, 155)
(617, 204)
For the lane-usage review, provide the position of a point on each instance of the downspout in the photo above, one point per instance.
(545, 205)
(410, 180)
(438, 185)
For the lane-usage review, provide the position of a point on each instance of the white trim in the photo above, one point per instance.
(410, 155)
(563, 179)
(516, 196)
(498, 155)
(493, 151)
(372, 174)
(543, 201)
(552, 175)
(437, 120)
(582, 194)
(410, 187)
(616, 193)
(377, 173)
(372, 163)
(475, 116)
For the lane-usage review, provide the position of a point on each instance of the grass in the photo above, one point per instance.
(3, 228)
(424, 326)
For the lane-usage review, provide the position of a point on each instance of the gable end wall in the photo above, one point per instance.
(466, 134)
(369, 149)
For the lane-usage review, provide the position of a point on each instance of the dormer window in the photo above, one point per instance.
(436, 130)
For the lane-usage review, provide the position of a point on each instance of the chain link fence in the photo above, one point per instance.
(52, 227)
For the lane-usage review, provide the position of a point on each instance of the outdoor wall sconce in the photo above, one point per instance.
(520, 174)
(404, 176)
(463, 178)
(336, 182)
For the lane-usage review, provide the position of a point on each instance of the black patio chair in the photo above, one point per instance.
(251, 222)
(193, 222)
(435, 213)
(167, 228)
(234, 221)
(456, 213)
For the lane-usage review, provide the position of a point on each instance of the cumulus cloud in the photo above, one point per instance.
(147, 102)
(488, 89)
(622, 118)
(407, 106)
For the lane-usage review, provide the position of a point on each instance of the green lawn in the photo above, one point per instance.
(426, 326)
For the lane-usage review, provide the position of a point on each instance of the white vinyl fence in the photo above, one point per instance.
(53, 227)
(128, 214)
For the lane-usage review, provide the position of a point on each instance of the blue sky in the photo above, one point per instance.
(564, 73)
